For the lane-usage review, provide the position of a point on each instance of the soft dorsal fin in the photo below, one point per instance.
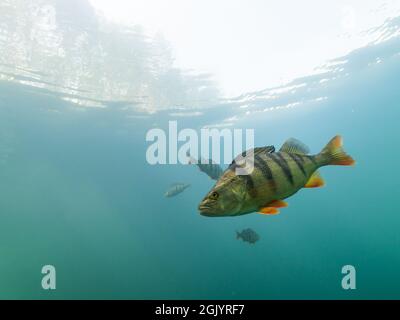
(295, 146)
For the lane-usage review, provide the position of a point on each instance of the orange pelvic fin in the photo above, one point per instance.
(268, 210)
(272, 207)
(315, 181)
(278, 204)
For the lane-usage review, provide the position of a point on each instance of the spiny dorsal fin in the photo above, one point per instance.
(268, 149)
(255, 151)
(293, 145)
(258, 150)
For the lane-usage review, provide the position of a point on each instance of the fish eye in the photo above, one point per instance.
(214, 195)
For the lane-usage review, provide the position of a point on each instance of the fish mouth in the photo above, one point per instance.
(206, 211)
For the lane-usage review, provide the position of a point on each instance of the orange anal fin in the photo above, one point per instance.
(278, 204)
(269, 210)
(315, 181)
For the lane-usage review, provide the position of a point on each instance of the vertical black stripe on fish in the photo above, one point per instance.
(281, 162)
(262, 165)
(298, 161)
(248, 180)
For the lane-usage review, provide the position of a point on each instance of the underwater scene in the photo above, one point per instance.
(80, 93)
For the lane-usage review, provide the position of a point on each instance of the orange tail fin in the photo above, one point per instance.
(334, 154)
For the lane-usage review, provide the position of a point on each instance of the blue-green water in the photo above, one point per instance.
(77, 192)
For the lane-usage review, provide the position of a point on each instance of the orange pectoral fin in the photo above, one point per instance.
(268, 210)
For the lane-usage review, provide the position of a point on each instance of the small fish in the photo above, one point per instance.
(176, 189)
(209, 167)
(248, 235)
(276, 176)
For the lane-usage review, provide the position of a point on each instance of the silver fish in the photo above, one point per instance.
(209, 167)
(176, 189)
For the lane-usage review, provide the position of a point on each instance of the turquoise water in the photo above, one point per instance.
(77, 192)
